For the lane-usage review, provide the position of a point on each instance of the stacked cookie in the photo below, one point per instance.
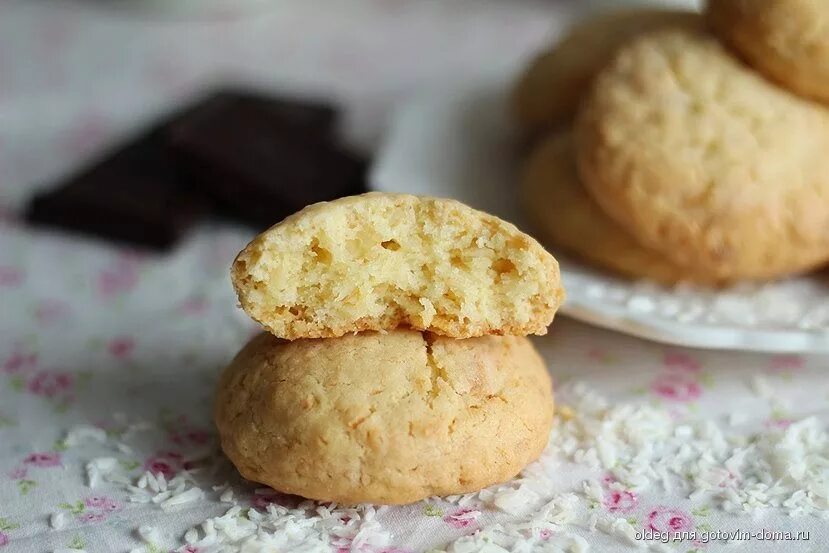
(395, 366)
(658, 153)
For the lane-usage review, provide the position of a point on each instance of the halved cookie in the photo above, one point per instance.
(382, 261)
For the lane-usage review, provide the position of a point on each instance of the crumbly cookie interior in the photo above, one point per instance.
(430, 265)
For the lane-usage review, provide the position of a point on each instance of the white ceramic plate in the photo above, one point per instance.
(457, 142)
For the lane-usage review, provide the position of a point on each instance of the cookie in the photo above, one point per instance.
(564, 215)
(551, 87)
(701, 158)
(383, 418)
(380, 261)
(787, 40)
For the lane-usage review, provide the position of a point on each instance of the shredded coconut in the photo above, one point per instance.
(188, 496)
(149, 534)
(630, 447)
(99, 469)
(82, 433)
(761, 386)
(57, 520)
(309, 528)
(643, 447)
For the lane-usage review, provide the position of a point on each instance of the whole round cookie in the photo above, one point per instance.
(564, 215)
(381, 261)
(383, 418)
(787, 40)
(551, 87)
(699, 157)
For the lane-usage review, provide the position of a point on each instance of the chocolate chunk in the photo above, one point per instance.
(254, 157)
(313, 117)
(264, 161)
(132, 195)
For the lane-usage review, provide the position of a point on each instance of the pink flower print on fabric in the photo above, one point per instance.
(102, 504)
(51, 311)
(786, 363)
(4, 539)
(193, 306)
(92, 517)
(163, 465)
(10, 276)
(117, 280)
(50, 383)
(18, 473)
(168, 463)
(620, 501)
(121, 347)
(19, 362)
(462, 518)
(681, 361)
(780, 424)
(190, 436)
(676, 387)
(260, 501)
(669, 519)
(43, 460)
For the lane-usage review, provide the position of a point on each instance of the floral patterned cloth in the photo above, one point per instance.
(126, 346)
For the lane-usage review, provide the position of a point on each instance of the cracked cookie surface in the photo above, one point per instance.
(382, 261)
(384, 417)
(701, 158)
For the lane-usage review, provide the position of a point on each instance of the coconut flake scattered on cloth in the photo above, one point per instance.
(640, 447)
(310, 527)
(82, 433)
(783, 467)
(624, 447)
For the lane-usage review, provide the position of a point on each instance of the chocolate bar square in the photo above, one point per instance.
(256, 158)
(133, 195)
(262, 164)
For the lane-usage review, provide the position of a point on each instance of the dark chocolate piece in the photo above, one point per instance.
(313, 117)
(133, 195)
(251, 156)
(261, 163)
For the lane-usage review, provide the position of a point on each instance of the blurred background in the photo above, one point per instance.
(75, 75)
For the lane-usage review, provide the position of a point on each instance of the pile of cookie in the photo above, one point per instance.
(395, 365)
(684, 147)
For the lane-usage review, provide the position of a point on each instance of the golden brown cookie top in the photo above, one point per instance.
(698, 156)
(563, 213)
(389, 418)
(381, 261)
(787, 40)
(551, 87)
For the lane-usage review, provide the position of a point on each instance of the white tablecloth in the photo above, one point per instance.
(108, 357)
